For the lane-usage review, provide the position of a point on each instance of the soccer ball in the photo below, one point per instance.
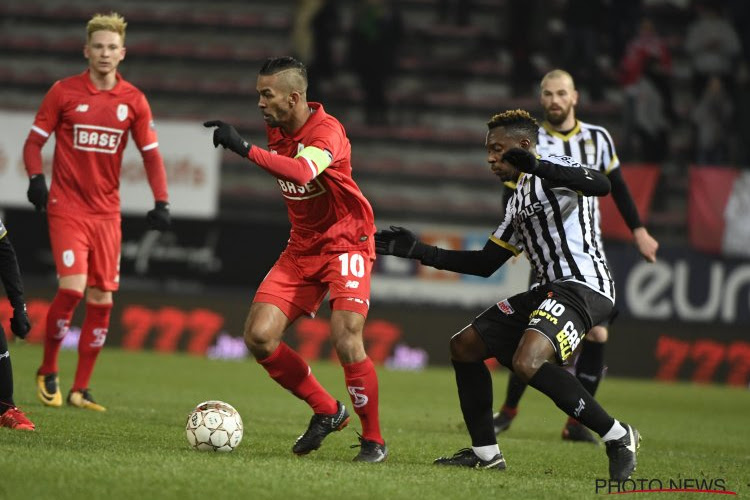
(214, 426)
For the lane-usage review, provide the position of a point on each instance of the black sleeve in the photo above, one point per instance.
(588, 182)
(10, 274)
(482, 262)
(623, 200)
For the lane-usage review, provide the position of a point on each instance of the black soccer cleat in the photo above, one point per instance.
(370, 451)
(621, 453)
(466, 457)
(320, 426)
(576, 431)
(501, 421)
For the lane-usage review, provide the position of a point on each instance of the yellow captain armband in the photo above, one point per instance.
(319, 158)
(507, 246)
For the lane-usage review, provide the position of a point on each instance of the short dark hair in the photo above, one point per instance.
(516, 120)
(274, 65)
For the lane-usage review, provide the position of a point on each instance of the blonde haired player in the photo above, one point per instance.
(91, 115)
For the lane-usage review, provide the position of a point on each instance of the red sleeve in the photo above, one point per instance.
(143, 130)
(44, 125)
(297, 170)
(157, 175)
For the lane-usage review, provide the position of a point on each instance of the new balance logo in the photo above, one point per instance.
(352, 284)
(82, 108)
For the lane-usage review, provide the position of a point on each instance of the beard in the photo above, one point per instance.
(557, 117)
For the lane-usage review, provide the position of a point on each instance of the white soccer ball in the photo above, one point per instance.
(214, 426)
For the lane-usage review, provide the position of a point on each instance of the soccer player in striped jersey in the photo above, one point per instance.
(550, 218)
(592, 146)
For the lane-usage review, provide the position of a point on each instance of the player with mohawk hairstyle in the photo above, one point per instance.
(91, 115)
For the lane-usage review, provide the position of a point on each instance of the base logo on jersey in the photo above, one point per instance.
(96, 138)
(505, 307)
(68, 258)
(294, 191)
(122, 112)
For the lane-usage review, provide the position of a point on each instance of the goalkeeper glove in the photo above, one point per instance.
(37, 192)
(228, 137)
(159, 217)
(19, 323)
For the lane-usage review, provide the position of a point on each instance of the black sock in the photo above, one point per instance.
(474, 384)
(516, 388)
(570, 396)
(6, 375)
(590, 365)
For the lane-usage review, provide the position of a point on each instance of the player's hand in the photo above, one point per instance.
(523, 160)
(19, 323)
(159, 218)
(400, 242)
(646, 244)
(37, 192)
(228, 137)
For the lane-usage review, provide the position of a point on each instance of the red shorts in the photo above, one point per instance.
(297, 284)
(87, 246)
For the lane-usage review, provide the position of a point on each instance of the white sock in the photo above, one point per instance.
(616, 432)
(486, 452)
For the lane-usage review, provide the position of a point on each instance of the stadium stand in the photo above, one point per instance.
(196, 59)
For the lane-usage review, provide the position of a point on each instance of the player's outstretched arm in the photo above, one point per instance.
(588, 182)
(227, 136)
(401, 242)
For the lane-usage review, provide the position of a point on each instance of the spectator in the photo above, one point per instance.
(651, 115)
(375, 34)
(713, 46)
(316, 23)
(712, 117)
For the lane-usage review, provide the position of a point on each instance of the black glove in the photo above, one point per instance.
(227, 136)
(521, 159)
(400, 242)
(159, 217)
(37, 193)
(19, 323)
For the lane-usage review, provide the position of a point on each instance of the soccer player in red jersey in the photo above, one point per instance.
(330, 249)
(90, 115)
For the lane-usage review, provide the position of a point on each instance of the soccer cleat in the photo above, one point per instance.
(370, 451)
(83, 399)
(466, 457)
(501, 421)
(14, 418)
(319, 427)
(48, 389)
(621, 453)
(576, 431)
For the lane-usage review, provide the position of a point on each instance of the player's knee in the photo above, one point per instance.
(525, 366)
(464, 347)
(259, 341)
(597, 334)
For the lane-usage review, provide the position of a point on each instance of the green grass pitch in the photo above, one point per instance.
(138, 449)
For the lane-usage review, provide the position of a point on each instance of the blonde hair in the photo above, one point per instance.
(112, 22)
(557, 73)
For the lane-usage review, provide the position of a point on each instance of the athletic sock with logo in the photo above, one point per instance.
(58, 321)
(93, 335)
(590, 365)
(292, 373)
(362, 384)
(474, 385)
(569, 395)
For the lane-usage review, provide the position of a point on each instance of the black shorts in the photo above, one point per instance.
(563, 312)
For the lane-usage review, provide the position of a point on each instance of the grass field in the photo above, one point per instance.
(137, 449)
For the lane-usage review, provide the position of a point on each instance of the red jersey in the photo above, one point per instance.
(91, 132)
(329, 213)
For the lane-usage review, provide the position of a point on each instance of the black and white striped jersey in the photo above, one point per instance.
(557, 229)
(590, 145)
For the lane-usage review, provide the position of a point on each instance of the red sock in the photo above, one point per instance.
(93, 335)
(292, 373)
(362, 384)
(58, 321)
(510, 411)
